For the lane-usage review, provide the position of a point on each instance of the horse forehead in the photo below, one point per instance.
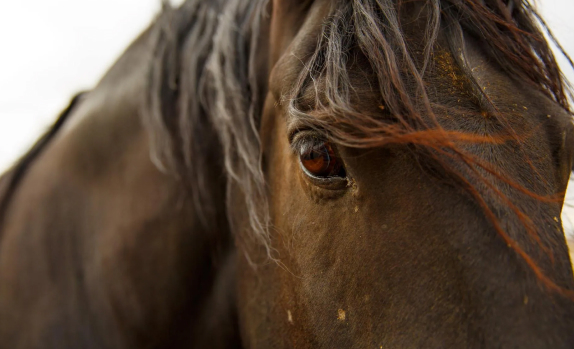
(447, 82)
(293, 40)
(294, 35)
(292, 23)
(287, 17)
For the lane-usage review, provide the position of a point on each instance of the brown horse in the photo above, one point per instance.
(301, 174)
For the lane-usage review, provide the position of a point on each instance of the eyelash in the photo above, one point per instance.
(306, 141)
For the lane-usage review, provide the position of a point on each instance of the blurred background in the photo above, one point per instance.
(54, 49)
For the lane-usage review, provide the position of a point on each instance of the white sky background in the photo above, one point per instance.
(52, 49)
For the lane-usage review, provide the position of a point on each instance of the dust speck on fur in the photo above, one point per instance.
(341, 316)
(356, 209)
(447, 65)
(353, 185)
(289, 316)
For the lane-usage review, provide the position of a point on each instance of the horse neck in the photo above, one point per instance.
(115, 254)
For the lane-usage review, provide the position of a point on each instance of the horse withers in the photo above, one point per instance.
(302, 174)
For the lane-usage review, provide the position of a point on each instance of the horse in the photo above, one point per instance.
(301, 174)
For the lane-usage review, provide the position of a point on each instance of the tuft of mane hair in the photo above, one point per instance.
(203, 100)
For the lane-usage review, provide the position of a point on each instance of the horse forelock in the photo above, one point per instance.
(203, 84)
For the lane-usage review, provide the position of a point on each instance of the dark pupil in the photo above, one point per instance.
(321, 154)
(320, 161)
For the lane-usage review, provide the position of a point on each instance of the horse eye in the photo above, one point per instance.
(321, 161)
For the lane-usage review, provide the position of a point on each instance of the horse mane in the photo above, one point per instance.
(202, 94)
(10, 180)
(202, 81)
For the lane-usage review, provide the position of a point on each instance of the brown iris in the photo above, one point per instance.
(320, 160)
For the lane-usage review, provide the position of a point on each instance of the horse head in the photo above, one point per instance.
(414, 157)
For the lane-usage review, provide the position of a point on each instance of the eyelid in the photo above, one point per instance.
(304, 140)
(296, 128)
